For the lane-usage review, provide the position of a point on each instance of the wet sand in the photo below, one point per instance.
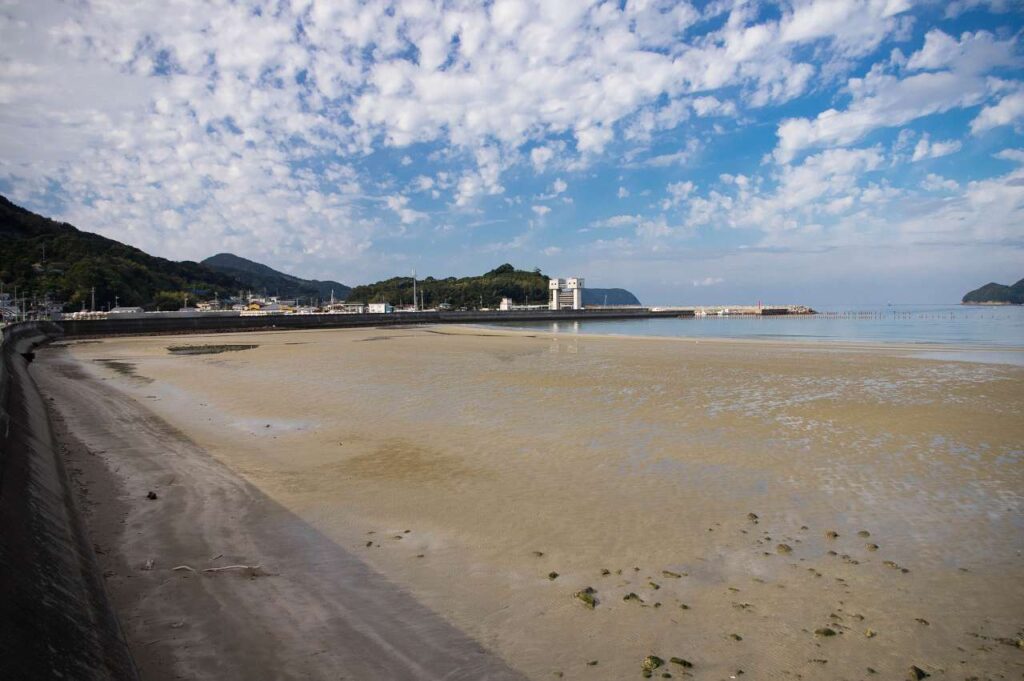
(454, 471)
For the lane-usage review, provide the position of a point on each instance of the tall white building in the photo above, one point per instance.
(566, 294)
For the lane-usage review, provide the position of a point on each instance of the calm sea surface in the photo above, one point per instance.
(972, 326)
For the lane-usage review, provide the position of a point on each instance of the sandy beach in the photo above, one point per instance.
(433, 503)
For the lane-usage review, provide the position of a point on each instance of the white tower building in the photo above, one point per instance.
(566, 294)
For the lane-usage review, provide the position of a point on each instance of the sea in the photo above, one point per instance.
(970, 327)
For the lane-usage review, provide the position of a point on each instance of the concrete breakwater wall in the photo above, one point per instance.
(55, 621)
(215, 323)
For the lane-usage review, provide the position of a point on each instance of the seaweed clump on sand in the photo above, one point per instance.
(207, 349)
(587, 597)
(650, 663)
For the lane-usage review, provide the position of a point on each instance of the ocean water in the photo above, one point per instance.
(981, 327)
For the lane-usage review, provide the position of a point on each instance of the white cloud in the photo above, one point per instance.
(551, 250)
(935, 183)
(677, 193)
(623, 193)
(927, 149)
(400, 205)
(708, 281)
(882, 99)
(558, 186)
(858, 26)
(540, 156)
(1008, 110)
(712, 106)
(541, 211)
(422, 183)
(617, 221)
(1015, 155)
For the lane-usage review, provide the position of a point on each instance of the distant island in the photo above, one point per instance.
(996, 294)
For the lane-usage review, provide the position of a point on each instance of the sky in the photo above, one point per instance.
(807, 151)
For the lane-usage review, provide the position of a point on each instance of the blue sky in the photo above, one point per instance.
(818, 151)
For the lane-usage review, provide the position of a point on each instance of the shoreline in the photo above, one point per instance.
(802, 343)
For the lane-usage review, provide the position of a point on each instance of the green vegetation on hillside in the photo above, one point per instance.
(42, 257)
(466, 292)
(997, 293)
(259, 278)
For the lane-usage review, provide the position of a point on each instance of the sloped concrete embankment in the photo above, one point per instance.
(55, 621)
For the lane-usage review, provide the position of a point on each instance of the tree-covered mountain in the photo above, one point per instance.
(997, 293)
(466, 292)
(486, 290)
(41, 257)
(259, 279)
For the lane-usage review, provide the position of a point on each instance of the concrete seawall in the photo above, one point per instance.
(55, 621)
(200, 323)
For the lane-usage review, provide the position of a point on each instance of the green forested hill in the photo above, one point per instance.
(41, 256)
(469, 292)
(259, 278)
(997, 293)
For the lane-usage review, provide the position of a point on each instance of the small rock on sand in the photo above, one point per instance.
(831, 534)
(151, 495)
(784, 548)
(552, 576)
(825, 631)
(916, 673)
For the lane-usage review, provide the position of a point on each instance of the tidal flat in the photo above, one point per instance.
(587, 507)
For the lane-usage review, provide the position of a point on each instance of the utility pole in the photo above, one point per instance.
(415, 301)
(93, 308)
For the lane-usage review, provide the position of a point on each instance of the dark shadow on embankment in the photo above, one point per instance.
(55, 620)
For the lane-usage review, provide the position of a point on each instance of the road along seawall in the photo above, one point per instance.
(208, 323)
(55, 620)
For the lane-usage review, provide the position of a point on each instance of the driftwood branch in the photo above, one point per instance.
(233, 567)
